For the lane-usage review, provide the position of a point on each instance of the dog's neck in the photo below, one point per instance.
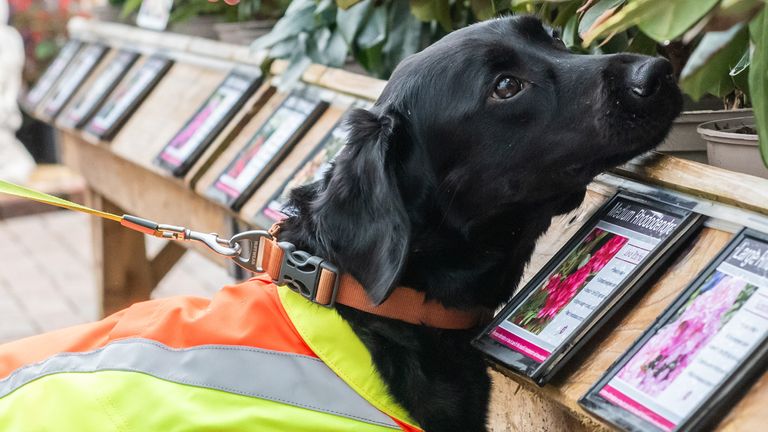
(478, 263)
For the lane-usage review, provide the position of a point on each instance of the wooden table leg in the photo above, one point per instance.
(125, 274)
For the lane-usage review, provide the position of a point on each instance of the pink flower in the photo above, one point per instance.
(666, 355)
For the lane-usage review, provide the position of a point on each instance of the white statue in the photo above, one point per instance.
(15, 162)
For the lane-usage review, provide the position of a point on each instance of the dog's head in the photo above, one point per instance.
(494, 116)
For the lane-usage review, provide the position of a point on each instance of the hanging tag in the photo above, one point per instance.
(154, 14)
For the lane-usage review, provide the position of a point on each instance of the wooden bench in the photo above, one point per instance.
(121, 178)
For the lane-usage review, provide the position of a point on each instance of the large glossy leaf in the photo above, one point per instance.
(714, 57)
(674, 17)
(433, 10)
(375, 29)
(596, 11)
(758, 79)
(403, 37)
(299, 17)
(349, 21)
(632, 13)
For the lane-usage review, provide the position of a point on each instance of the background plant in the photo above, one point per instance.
(43, 27)
(228, 10)
(716, 47)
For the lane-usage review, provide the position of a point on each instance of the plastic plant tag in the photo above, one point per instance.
(52, 74)
(267, 147)
(209, 120)
(622, 245)
(704, 350)
(127, 97)
(312, 169)
(81, 67)
(85, 106)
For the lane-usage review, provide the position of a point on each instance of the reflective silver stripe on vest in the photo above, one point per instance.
(288, 378)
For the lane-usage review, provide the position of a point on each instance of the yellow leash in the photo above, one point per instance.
(221, 246)
(22, 192)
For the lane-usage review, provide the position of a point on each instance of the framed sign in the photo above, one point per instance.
(612, 256)
(52, 74)
(309, 171)
(197, 134)
(82, 66)
(154, 14)
(709, 345)
(267, 147)
(86, 105)
(127, 97)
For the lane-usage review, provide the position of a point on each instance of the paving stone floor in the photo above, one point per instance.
(47, 279)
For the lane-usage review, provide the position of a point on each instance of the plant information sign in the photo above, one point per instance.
(52, 74)
(86, 104)
(313, 169)
(127, 97)
(703, 348)
(585, 283)
(198, 133)
(266, 148)
(82, 66)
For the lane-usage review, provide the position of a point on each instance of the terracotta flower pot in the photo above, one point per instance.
(684, 140)
(730, 148)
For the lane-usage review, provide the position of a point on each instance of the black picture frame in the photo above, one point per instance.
(182, 151)
(51, 76)
(292, 118)
(80, 111)
(127, 97)
(727, 392)
(543, 369)
(314, 165)
(81, 66)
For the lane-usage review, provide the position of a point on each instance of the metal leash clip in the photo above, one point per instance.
(227, 248)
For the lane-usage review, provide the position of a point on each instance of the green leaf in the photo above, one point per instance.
(716, 54)
(299, 17)
(627, 17)
(594, 12)
(433, 10)
(350, 21)
(483, 9)
(672, 18)
(403, 37)
(642, 44)
(346, 4)
(375, 29)
(129, 7)
(758, 79)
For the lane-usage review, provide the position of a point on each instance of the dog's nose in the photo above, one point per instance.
(646, 77)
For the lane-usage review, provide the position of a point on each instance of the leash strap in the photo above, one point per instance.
(168, 232)
(314, 278)
(23, 192)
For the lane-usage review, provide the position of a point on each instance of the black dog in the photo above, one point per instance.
(450, 178)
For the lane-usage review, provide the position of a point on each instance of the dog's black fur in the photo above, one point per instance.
(445, 189)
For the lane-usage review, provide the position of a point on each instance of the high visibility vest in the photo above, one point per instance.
(256, 357)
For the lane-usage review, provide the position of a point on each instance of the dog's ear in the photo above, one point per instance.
(360, 217)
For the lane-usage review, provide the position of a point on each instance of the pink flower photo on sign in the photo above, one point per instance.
(664, 357)
(592, 254)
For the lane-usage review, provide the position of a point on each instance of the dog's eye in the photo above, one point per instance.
(506, 87)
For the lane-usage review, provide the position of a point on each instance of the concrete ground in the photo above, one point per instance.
(47, 279)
